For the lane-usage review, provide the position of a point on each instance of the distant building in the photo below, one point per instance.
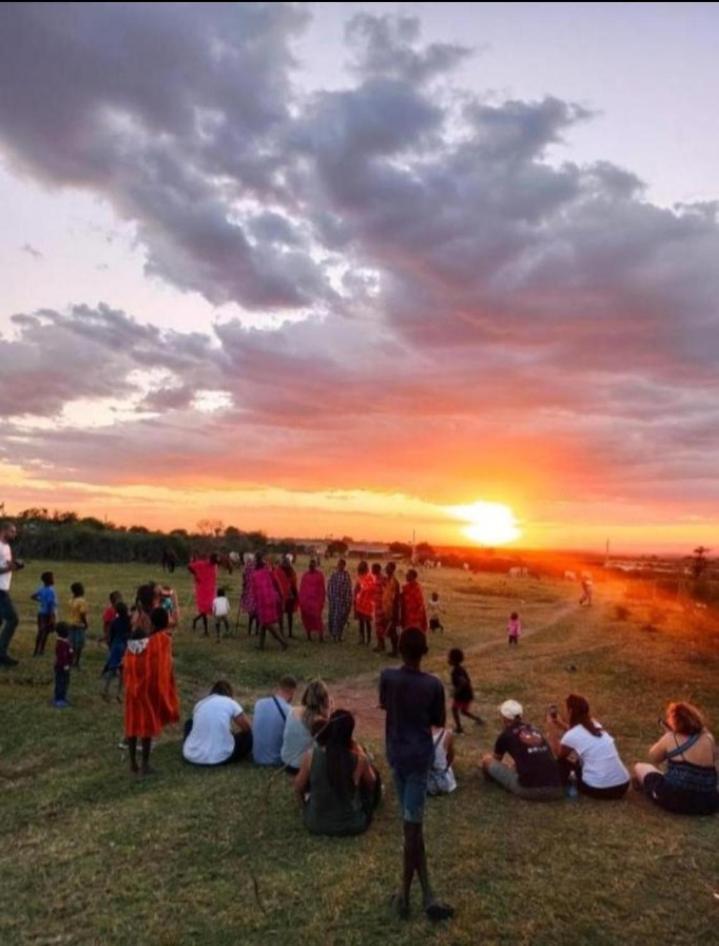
(367, 550)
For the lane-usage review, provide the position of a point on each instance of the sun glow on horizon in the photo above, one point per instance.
(490, 524)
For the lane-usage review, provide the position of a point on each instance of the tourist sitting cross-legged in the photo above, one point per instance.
(219, 731)
(535, 774)
(297, 737)
(344, 787)
(589, 752)
(689, 784)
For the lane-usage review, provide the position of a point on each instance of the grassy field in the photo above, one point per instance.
(90, 856)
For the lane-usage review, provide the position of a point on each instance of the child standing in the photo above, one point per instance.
(63, 662)
(78, 620)
(462, 692)
(435, 609)
(46, 611)
(220, 610)
(514, 628)
(109, 615)
(118, 636)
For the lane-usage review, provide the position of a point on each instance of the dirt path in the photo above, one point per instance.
(359, 693)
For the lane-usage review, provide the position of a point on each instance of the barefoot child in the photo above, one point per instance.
(514, 628)
(462, 692)
(78, 620)
(46, 611)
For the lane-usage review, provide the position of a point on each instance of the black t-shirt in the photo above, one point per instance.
(536, 766)
(462, 685)
(414, 702)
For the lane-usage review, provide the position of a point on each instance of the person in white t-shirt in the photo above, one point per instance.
(220, 611)
(589, 752)
(219, 731)
(8, 615)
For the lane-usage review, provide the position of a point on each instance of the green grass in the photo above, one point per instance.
(89, 856)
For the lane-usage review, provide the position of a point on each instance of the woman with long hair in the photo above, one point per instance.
(689, 784)
(297, 738)
(588, 751)
(344, 787)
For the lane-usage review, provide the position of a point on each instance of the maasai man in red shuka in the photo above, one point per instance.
(364, 602)
(151, 700)
(380, 622)
(266, 598)
(312, 600)
(412, 610)
(204, 572)
(286, 579)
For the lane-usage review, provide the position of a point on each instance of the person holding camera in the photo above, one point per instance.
(688, 786)
(8, 615)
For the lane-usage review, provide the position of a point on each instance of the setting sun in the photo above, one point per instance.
(489, 523)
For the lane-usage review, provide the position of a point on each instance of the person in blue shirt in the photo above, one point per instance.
(414, 703)
(268, 723)
(46, 611)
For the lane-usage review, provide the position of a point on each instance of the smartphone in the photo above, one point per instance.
(553, 711)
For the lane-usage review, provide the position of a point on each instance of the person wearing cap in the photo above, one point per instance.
(535, 775)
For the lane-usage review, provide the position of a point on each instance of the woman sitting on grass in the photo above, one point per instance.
(689, 785)
(588, 751)
(344, 787)
(297, 738)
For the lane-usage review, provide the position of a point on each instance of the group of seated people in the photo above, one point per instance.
(579, 752)
(338, 786)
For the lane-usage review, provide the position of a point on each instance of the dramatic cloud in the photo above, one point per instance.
(468, 308)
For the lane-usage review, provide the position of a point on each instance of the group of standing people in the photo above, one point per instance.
(273, 594)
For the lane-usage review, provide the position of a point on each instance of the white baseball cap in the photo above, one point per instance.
(510, 709)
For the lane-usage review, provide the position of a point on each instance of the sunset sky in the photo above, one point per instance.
(343, 268)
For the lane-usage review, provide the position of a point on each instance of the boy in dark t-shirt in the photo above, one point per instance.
(414, 702)
(462, 692)
(535, 775)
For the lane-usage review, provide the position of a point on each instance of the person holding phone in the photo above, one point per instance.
(689, 784)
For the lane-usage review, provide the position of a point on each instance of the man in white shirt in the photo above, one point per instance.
(209, 735)
(268, 724)
(8, 615)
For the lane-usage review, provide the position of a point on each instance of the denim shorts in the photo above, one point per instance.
(411, 790)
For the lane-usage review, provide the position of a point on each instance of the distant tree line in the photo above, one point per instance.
(67, 536)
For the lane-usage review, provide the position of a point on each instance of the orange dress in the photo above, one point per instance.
(148, 676)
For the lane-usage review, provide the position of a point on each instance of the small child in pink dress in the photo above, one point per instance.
(514, 628)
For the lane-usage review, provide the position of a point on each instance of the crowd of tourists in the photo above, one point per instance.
(336, 781)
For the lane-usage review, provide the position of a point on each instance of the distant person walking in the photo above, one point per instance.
(312, 601)
(265, 595)
(204, 573)
(8, 615)
(339, 598)
(587, 589)
(514, 629)
(380, 621)
(247, 600)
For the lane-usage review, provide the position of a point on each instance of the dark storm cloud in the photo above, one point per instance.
(455, 275)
